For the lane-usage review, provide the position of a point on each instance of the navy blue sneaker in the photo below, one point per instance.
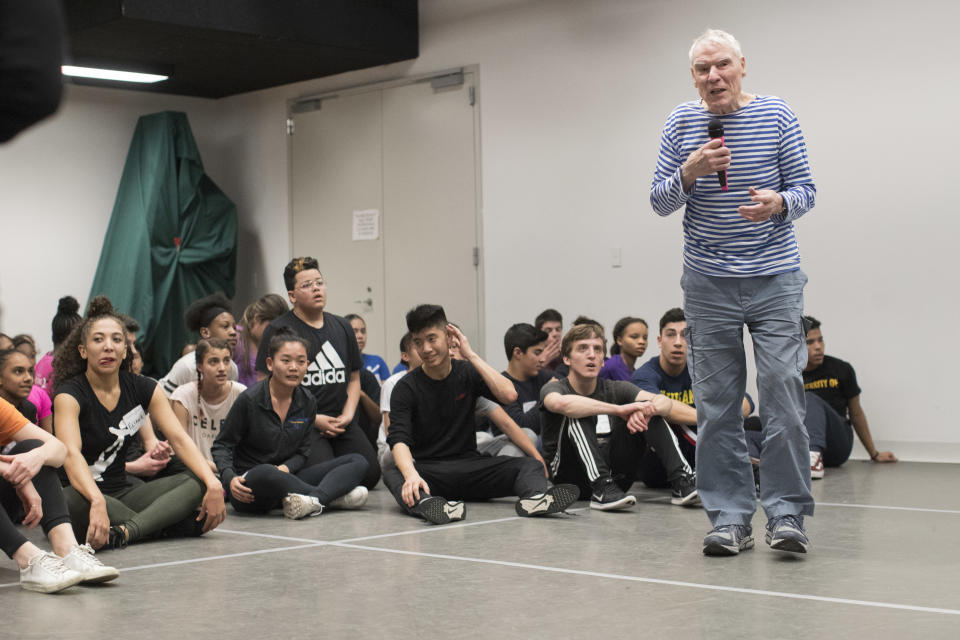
(785, 533)
(728, 540)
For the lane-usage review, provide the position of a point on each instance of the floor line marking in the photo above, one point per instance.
(205, 559)
(675, 583)
(445, 527)
(265, 535)
(662, 500)
(876, 506)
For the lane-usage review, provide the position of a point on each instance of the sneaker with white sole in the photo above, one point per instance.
(785, 533)
(82, 560)
(816, 465)
(353, 499)
(683, 491)
(438, 510)
(298, 505)
(728, 540)
(554, 500)
(47, 573)
(608, 496)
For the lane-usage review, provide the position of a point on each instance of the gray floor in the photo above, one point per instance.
(883, 564)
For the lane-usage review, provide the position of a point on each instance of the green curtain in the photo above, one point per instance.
(172, 237)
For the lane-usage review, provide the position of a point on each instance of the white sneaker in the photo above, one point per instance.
(298, 505)
(82, 560)
(353, 499)
(47, 573)
(816, 465)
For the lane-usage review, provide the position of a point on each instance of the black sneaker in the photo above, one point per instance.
(554, 500)
(684, 491)
(608, 496)
(785, 533)
(728, 540)
(440, 511)
(117, 538)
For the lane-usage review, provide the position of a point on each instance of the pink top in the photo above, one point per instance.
(41, 400)
(43, 374)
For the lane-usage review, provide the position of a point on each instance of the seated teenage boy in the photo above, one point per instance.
(835, 382)
(432, 433)
(668, 374)
(524, 345)
(576, 407)
(551, 323)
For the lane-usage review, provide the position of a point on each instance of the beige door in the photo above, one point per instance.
(409, 152)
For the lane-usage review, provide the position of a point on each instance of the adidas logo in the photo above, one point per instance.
(328, 368)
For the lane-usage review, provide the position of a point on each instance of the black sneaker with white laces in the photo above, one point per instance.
(437, 510)
(608, 496)
(554, 500)
(684, 491)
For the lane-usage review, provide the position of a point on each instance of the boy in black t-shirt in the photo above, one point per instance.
(577, 407)
(432, 433)
(333, 376)
(835, 382)
(524, 345)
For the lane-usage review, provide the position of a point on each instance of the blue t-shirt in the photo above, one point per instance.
(377, 366)
(400, 367)
(651, 377)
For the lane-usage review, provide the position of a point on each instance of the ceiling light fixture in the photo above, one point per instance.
(111, 74)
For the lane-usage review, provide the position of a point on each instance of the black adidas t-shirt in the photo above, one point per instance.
(835, 382)
(333, 355)
(435, 418)
(106, 435)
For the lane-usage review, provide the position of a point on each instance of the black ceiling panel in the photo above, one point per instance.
(217, 48)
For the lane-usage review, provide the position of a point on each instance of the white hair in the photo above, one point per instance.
(716, 36)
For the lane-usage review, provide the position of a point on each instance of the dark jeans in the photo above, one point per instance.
(830, 434)
(145, 509)
(581, 460)
(47, 484)
(473, 477)
(327, 481)
(352, 440)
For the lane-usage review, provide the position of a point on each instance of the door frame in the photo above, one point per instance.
(313, 101)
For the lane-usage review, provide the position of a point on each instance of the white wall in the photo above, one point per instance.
(573, 95)
(58, 183)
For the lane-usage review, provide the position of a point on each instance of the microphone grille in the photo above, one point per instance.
(715, 128)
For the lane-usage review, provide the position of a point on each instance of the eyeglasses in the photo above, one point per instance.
(310, 284)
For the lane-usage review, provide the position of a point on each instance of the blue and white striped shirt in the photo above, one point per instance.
(767, 152)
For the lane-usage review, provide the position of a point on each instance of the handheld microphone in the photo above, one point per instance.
(715, 129)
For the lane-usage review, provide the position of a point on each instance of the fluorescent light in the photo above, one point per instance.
(110, 74)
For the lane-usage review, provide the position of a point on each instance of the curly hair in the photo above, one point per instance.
(65, 319)
(202, 311)
(67, 362)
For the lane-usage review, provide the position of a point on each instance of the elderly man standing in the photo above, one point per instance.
(741, 266)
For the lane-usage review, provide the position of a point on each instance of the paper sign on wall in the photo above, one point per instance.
(366, 224)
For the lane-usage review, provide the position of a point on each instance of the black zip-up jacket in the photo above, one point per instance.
(252, 433)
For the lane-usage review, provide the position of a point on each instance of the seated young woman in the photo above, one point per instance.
(30, 489)
(258, 314)
(100, 405)
(210, 317)
(202, 406)
(61, 325)
(265, 442)
(16, 382)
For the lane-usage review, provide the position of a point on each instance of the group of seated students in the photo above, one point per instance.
(284, 411)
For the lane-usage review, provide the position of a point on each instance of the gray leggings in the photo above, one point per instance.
(143, 510)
